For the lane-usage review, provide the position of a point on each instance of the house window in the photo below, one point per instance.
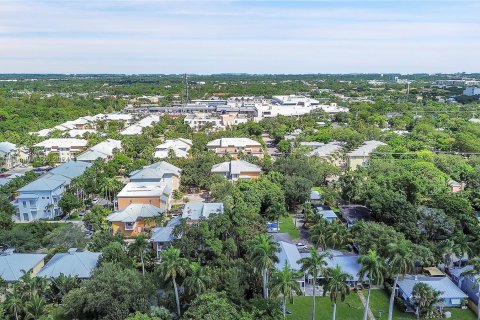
(24, 203)
(34, 215)
(25, 216)
(129, 225)
(32, 203)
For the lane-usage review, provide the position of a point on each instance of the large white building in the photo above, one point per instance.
(198, 121)
(471, 91)
(65, 148)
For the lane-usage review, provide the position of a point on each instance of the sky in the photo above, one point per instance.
(220, 36)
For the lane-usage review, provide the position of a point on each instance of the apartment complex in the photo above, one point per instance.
(65, 148)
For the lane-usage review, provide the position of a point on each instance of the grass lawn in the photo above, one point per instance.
(350, 309)
(287, 225)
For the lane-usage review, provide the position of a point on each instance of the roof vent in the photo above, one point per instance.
(72, 250)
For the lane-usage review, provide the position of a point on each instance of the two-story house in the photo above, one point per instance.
(158, 172)
(158, 194)
(237, 169)
(134, 219)
(39, 199)
(65, 148)
(236, 146)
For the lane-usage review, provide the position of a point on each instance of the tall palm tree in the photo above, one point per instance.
(314, 265)
(198, 279)
(263, 256)
(139, 248)
(336, 284)
(284, 283)
(14, 301)
(63, 284)
(400, 262)
(337, 235)
(373, 266)
(475, 272)
(171, 266)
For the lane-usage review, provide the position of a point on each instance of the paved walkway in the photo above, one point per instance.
(364, 301)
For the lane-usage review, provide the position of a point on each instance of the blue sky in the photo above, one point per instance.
(177, 36)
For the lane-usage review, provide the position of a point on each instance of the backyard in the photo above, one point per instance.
(287, 226)
(352, 308)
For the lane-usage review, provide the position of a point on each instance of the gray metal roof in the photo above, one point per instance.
(6, 147)
(366, 149)
(155, 171)
(201, 210)
(12, 264)
(135, 211)
(288, 254)
(71, 263)
(162, 234)
(235, 167)
(71, 169)
(443, 284)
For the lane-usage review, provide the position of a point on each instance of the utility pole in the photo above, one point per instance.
(185, 83)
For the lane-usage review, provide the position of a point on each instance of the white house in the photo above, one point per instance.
(39, 199)
(65, 148)
(179, 147)
(9, 155)
(104, 150)
(237, 169)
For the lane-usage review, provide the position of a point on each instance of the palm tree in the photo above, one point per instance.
(263, 256)
(336, 284)
(447, 248)
(171, 266)
(337, 235)
(14, 301)
(63, 284)
(319, 234)
(198, 279)
(374, 267)
(463, 246)
(400, 262)
(139, 248)
(475, 272)
(284, 283)
(314, 265)
(35, 308)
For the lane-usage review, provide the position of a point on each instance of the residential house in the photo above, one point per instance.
(65, 148)
(455, 186)
(13, 265)
(158, 172)
(451, 295)
(330, 152)
(293, 135)
(79, 133)
(138, 127)
(236, 146)
(315, 198)
(237, 169)
(158, 194)
(468, 283)
(103, 150)
(290, 256)
(72, 263)
(39, 199)
(354, 213)
(163, 236)
(194, 212)
(360, 156)
(328, 215)
(134, 219)
(178, 147)
(348, 262)
(9, 155)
